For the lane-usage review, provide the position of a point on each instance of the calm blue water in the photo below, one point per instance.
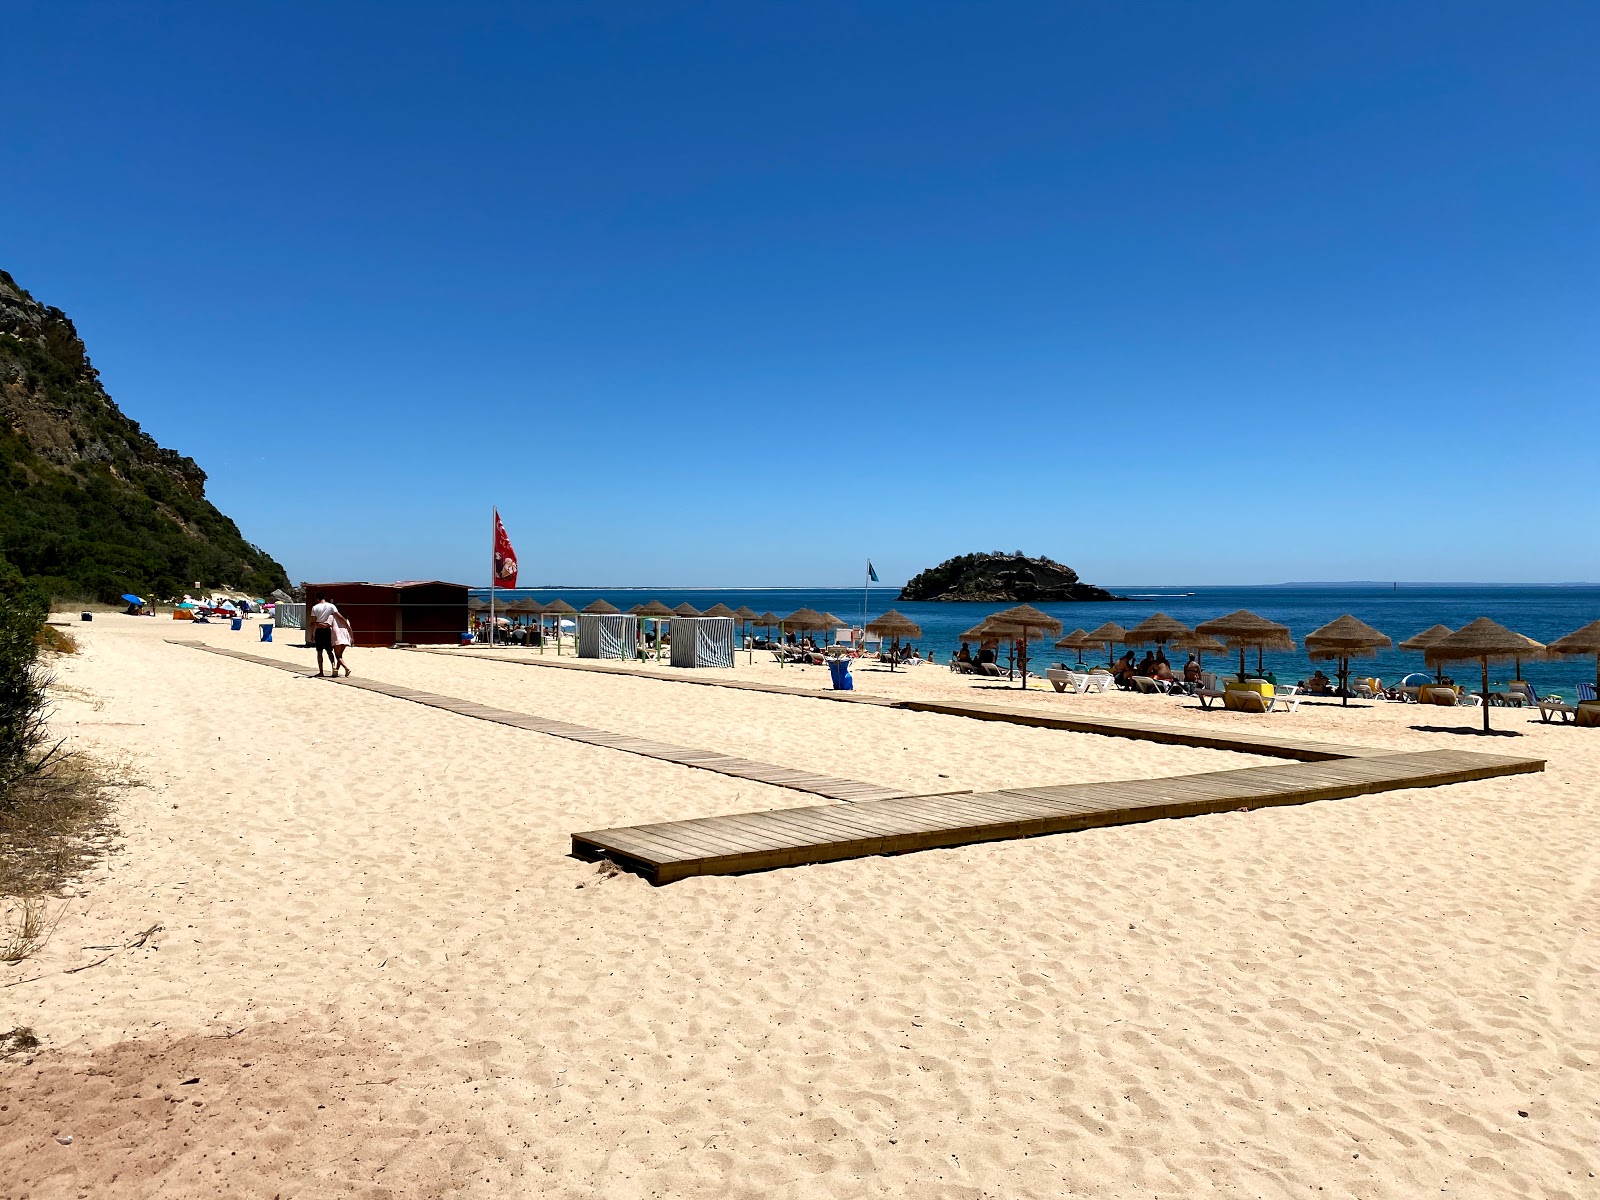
(1543, 613)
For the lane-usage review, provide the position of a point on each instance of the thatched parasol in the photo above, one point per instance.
(687, 610)
(745, 613)
(477, 604)
(1343, 639)
(1420, 642)
(657, 612)
(1580, 643)
(1483, 640)
(557, 609)
(833, 624)
(894, 624)
(767, 620)
(1158, 628)
(720, 610)
(1024, 621)
(802, 620)
(1200, 643)
(1077, 640)
(1243, 628)
(603, 607)
(1108, 635)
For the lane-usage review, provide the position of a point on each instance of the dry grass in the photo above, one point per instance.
(16, 1042)
(55, 640)
(25, 926)
(54, 825)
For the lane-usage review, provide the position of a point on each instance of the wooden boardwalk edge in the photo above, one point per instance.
(663, 855)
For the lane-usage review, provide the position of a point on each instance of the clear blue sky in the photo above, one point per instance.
(742, 293)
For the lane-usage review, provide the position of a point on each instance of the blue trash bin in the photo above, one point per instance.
(236, 624)
(839, 668)
(266, 632)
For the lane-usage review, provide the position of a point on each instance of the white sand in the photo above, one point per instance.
(424, 995)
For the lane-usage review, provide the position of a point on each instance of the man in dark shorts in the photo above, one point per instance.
(322, 614)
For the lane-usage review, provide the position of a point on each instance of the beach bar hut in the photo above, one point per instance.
(607, 635)
(421, 612)
(702, 641)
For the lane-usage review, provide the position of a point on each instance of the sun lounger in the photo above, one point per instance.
(1144, 683)
(1550, 706)
(1208, 692)
(1287, 699)
(1061, 679)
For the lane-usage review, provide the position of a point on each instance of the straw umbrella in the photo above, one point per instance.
(1483, 640)
(833, 625)
(893, 624)
(1244, 628)
(1580, 643)
(1419, 643)
(1342, 640)
(1025, 620)
(654, 612)
(1108, 635)
(768, 620)
(1158, 628)
(1077, 640)
(523, 606)
(744, 614)
(687, 610)
(604, 608)
(1200, 644)
(558, 609)
(720, 610)
(804, 620)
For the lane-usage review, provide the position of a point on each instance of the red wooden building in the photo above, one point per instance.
(420, 612)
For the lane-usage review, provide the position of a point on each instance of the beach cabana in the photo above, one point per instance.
(1024, 621)
(425, 612)
(894, 624)
(1108, 635)
(1342, 640)
(1483, 640)
(1580, 643)
(702, 642)
(607, 635)
(1242, 629)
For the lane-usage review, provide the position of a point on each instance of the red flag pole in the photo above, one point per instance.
(494, 533)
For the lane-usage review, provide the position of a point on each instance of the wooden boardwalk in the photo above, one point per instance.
(830, 786)
(757, 841)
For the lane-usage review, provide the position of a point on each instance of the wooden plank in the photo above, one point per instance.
(797, 836)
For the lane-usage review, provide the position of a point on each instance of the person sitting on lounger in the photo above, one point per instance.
(964, 655)
(1162, 672)
(1318, 685)
(1193, 673)
(1147, 665)
(1122, 671)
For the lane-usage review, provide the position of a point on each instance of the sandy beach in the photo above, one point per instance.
(379, 973)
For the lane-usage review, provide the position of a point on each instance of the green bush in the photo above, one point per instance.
(23, 609)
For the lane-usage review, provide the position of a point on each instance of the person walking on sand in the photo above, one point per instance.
(326, 620)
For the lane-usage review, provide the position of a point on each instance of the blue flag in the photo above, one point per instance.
(871, 574)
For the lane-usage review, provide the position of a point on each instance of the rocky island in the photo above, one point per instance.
(997, 576)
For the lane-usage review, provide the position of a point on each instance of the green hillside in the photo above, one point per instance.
(90, 505)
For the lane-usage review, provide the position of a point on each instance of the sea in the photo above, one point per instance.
(1399, 610)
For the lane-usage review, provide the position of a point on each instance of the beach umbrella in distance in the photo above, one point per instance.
(477, 604)
(803, 620)
(1201, 644)
(1078, 640)
(894, 624)
(1108, 635)
(1158, 628)
(1243, 628)
(657, 612)
(768, 620)
(603, 607)
(833, 624)
(1482, 640)
(1028, 622)
(747, 616)
(558, 609)
(720, 610)
(1418, 643)
(1343, 639)
(1580, 643)
(687, 610)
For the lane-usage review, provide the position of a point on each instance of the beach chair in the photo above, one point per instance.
(1586, 691)
(1286, 698)
(1098, 683)
(1209, 693)
(1550, 706)
(1061, 679)
(1145, 684)
(1367, 689)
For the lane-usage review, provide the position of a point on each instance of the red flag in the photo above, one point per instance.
(505, 558)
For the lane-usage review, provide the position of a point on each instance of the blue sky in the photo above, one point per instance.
(740, 294)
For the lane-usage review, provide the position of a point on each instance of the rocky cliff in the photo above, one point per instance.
(89, 503)
(997, 576)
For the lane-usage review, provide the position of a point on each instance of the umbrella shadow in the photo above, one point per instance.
(1466, 730)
